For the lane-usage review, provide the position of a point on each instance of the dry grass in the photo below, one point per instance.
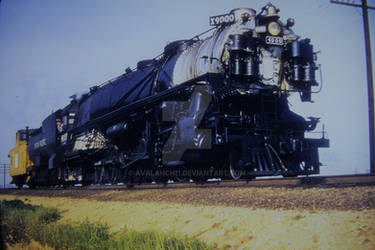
(229, 227)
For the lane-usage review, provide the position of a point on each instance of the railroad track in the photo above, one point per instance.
(310, 181)
(321, 181)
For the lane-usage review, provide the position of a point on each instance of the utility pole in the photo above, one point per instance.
(370, 82)
(3, 170)
(4, 166)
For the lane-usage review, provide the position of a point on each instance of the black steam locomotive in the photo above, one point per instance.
(205, 108)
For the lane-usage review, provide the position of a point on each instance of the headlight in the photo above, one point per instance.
(274, 28)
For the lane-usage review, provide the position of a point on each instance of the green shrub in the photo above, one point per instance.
(16, 204)
(15, 216)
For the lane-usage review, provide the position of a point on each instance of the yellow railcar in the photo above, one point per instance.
(19, 159)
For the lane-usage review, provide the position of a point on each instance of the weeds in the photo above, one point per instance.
(298, 217)
(20, 222)
(153, 240)
(82, 236)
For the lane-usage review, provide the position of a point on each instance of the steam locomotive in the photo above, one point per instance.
(206, 108)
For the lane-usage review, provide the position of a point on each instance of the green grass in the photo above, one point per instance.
(153, 240)
(21, 222)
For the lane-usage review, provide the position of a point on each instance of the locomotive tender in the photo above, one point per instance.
(205, 108)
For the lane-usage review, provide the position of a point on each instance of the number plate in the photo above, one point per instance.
(222, 19)
(274, 40)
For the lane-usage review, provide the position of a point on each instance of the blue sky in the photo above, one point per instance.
(50, 50)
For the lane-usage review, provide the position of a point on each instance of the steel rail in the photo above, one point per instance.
(310, 181)
(339, 180)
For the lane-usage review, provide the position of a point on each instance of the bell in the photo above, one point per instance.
(272, 11)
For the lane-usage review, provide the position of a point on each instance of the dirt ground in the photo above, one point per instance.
(305, 198)
(235, 218)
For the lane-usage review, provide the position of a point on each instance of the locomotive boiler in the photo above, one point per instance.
(214, 107)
